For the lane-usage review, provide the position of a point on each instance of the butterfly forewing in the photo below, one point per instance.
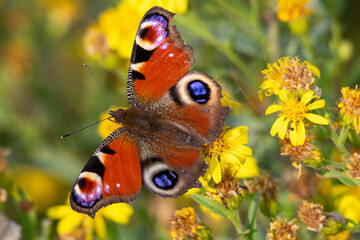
(159, 58)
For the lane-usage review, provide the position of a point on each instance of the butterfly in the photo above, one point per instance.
(173, 111)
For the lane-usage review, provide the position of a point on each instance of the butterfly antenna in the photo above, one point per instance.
(102, 90)
(66, 135)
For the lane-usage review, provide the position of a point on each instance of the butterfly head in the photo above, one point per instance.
(118, 115)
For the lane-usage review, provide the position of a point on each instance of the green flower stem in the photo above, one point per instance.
(234, 217)
(343, 135)
(339, 141)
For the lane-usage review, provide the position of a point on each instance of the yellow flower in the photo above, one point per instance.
(289, 10)
(119, 24)
(185, 224)
(299, 26)
(350, 107)
(250, 169)
(294, 112)
(226, 102)
(29, 178)
(226, 153)
(348, 203)
(72, 223)
(345, 235)
(288, 73)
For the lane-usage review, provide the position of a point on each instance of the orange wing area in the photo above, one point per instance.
(122, 176)
(182, 158)
(195, 118)
(166, 66)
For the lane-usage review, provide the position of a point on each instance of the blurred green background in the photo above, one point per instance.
(45, 91)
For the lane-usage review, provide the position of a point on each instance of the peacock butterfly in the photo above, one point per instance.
(173, 111)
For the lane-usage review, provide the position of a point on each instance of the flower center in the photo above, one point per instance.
(352, 103)
(217, 147)
(294, 110)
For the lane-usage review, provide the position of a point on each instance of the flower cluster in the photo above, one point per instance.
(312, 215)
(316, 219)
(269, 188)
(229, 191)
(227, 153)
(353, 167)
(290, 74)
(350, 108)
(306, 153)
(290, 10)
(283, 229)
(185, 224)
(292, 81)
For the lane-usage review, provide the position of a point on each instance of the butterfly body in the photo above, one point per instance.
(173, 111)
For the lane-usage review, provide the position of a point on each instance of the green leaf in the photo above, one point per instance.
(342, 177)
(337, 165)
(213, 206)
(251, 217)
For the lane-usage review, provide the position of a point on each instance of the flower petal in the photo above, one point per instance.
(312, 69)
(273, 108)
(119, 212)
(100, 227)
(307, 97)
(214, 170)
(283, 95)
(316, 119)
(283, 129)
(241, 149)
(216, 174)
(293, 134)
(57, 212)
(316, 105)
(69, 223)
(276, 126)
(231, 158)
(249, 169)
(301, 133)
(237, 134)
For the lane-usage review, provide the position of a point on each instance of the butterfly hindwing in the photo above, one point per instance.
(191, 115)
(172, 171)
(112, 175)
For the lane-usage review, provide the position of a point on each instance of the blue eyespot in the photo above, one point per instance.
(165, 179)
(81, 200)
(199, 91)
(157, 18)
